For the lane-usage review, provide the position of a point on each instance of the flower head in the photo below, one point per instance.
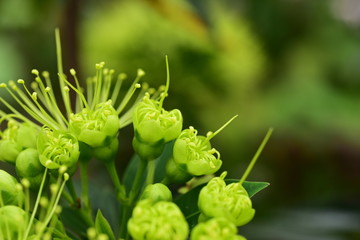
(215, 229)
(157, 221)
(195, 154)
(230, 201)
(153, 125)
(57, 148)
(9, 193)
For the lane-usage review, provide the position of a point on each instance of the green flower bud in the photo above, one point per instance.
(215, 229)
(152, 123)
(159, 221)
(196, 153)
(94, 127)
(176, 173)
(9, 193)
(27, 136)
(157, 192)
(107, 153)
(231, 201)
(28, 163)
(147, 151)
(57, 148)
(9, 150)
(13, 221)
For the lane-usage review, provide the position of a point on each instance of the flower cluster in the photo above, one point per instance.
(49, 138)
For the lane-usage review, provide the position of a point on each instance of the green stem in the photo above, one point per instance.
(71, 188)
(256, 156)
(120, 189)
(150, 173)
(135, 189)
(36, 204)
(84, 186)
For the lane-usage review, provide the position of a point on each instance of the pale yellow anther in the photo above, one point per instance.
(208, 134)
(34, 85)
(140, 72)
(54, 188)
(99, 66)
(35, 72)
(62, 169)
(91, 233)
(48, 163)
(122, 76)
(58, 209)
(19, 187)
(44, 202)
(138, 85)
(66, 176)
(47, 89)
(3, 85)
(38, 79)
(72, 72)
(21, 81)
(106, 71)
(151, 90)
(25, 183)
(102, 236)
(66, 89)
(45, 74)
(34, 96)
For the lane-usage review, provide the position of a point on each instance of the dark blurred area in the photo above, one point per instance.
(293, 65)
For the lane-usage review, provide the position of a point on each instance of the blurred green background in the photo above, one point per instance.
(291, 65)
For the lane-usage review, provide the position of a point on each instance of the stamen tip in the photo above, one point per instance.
(20, 81)
(35, 72)
(140, 72)
(72, 72)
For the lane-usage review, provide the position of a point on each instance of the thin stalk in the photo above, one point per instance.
(120, 189)
(36, 204)
(256, 156)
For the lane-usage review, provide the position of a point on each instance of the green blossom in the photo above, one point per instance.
(215, 229)
(153, 125)
(230, 201)
(159, 221)
(28, 166)
(95, 127)
(57, 148)
(157, 192)
(9, 193)
(195, 154)
(13, 222)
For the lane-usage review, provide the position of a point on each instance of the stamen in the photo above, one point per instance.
(130, 92)
(165, 93)
(210, 135)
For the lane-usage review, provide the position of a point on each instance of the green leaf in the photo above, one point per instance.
(76, 222)
(102, 226)
(188, 201)
(253, 188)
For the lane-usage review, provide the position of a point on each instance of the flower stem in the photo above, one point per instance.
(71, 188)
(135, 189)
(150, 173)
(36, 204)
(120, 189)
(84, 186)
(256, 156)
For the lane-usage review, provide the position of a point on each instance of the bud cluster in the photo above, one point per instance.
(47, 147)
